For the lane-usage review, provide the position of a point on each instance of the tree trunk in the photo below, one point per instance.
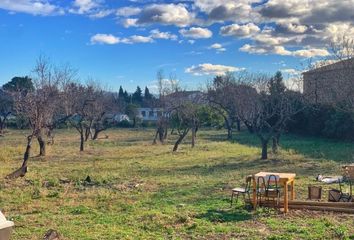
(264, 149)
(155, 138)
(228, 124)
(82, 141)
(238, 123)
(179, 140)
(194, 135)
(42, 144)
(21, 172)
(275, 145)
(165, 133)
(96, 133)
(249, 128)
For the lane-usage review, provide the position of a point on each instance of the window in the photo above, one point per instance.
(143, 113)
(151, 113)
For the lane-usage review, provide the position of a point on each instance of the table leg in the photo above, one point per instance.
(254, 194)
(292, 197)
(286, 201)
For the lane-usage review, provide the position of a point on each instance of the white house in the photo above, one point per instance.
(150, 114)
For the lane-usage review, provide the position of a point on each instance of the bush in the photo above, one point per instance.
(125, 124)
(322, 121)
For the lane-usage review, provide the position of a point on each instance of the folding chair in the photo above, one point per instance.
(242, 190)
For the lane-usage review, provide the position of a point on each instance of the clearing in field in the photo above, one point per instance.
(144, 191)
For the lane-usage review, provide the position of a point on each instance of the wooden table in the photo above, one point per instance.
(284, 180)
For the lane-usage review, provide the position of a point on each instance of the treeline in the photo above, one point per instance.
(323, 121)
(139, 98)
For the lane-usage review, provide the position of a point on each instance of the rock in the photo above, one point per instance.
(64, 180)
(88, 179)
(51, 235)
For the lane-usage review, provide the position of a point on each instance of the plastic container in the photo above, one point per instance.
(5, 228)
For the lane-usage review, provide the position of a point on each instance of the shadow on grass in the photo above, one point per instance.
(312, 147)
(214, 215)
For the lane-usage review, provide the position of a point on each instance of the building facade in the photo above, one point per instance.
(330, 83)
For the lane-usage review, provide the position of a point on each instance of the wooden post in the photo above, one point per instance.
(286, 200)
(254, 195)
(292, 190)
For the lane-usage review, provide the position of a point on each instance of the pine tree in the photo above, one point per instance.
(137, 96)
(147, 94)
(120, 93)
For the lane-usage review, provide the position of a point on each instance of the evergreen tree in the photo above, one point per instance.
(276, 84)
(19, 84)
(137, 96)
(126, 96)
(147, 94)
(120, 93)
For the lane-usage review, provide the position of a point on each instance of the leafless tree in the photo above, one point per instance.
(266, 113)
(38, 107)
(221, 94)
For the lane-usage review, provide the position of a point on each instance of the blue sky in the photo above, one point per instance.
(126, 42)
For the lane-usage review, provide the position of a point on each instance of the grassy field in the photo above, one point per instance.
(141, 191)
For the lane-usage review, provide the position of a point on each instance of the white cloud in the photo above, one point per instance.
(128, 11)
(218, 47)
(236, 30)
(155, 33)
(137, 39)
(307, 53)
(196, 33)
(211, 69)
(101, 14)
(34, 7)
(280, 50)
(130, 22)
(104, 39)
(84, 6)
(290, 71)
(111, 39)
(164, 14)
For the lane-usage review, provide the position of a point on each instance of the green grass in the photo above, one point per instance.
(144, 191)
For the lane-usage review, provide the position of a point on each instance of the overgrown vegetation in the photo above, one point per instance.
(144, 191)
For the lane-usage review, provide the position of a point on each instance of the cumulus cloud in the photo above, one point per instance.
(236, 30)
(104, 39)
(228, 10)
(218, 47)
(280, 50)
(84, 6)
(196, 33)
(211, 69)
(155, 33)
(164, 14)
(34, 7)
(128, 11)
(111, 39)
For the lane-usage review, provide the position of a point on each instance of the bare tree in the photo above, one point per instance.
(265, 111)
(221, 94)
(38, 107)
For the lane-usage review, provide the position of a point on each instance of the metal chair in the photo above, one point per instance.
(240, 190)
(272, 188)
(261, 189)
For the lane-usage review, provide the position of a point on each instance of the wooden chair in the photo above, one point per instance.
(242, 190)
(347, 180)
(261, 189)
(272, 189)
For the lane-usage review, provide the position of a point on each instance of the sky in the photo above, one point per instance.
(125, 42)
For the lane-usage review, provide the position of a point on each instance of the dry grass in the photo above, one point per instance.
(141, 191)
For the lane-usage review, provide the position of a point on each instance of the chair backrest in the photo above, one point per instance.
(248, 182)
(261, 183)
(272, 180)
